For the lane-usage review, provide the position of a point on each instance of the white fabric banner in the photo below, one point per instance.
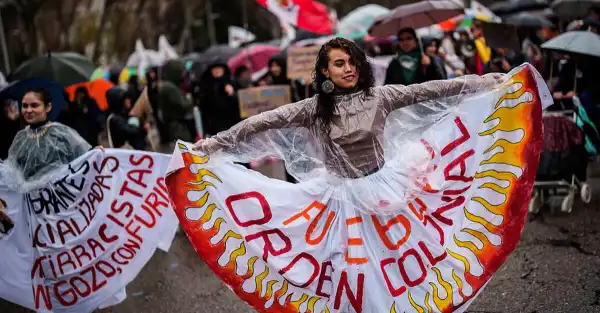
(456, 190)
(77, 242)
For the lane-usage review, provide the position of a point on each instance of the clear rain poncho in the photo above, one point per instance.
(411, 204)
(36, 153)
(368, 133)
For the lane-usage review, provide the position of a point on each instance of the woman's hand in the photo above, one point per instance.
(207, 145)
(101, 148)
(557, 95)
(229, 89)
(494, 79)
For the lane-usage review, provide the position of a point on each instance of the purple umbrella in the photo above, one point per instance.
(416, 15)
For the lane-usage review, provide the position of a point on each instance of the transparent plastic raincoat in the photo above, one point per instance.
(37, 152)
(410, 204)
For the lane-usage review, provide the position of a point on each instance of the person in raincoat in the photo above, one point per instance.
(120, 126)
(348, 113)
(43, 146)
(218, 100)
(175, 110)
(410, 66)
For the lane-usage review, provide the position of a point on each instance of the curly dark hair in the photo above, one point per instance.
(326, 102)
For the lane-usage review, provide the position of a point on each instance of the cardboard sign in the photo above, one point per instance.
(301, 62)
(261, 99)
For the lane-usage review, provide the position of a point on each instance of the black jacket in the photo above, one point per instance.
(121, 131)
(219, 110)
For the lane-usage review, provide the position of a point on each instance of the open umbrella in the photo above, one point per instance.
(96, 89)
(416, 15)
(515, 6)
(525, 19)
(16, 90)
(223, 52)
(255, 57)
(356, 24)
(65, 68)
(579, 42)
(573, 9)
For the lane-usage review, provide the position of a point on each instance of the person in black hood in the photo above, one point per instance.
(410, 66)
(120, 127)
(277, 75)
(243, 77)
(85, 116)
(218, 100)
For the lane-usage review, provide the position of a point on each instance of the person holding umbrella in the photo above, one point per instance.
(411, 66)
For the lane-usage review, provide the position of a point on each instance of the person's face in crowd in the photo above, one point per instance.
(407, 42)
(594, 29)
(502, 51)
(246, 76)
(463, 36)
(79, 96)
(127, 103)
(33, 108)
(341, 69)
(476, 31)
(431, 48)
(275, 69)
(217, 71)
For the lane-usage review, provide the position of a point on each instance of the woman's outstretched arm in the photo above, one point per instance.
(397, 96)
(298, 113)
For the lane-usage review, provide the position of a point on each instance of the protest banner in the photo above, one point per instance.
(256, 100)
(77, 242)
(309, 247)
(301, 62)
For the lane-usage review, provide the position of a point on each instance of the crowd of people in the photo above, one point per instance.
(167, 99)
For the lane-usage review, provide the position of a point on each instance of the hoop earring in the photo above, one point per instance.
(327, 86)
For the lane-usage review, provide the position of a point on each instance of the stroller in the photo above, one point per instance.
(570, 140)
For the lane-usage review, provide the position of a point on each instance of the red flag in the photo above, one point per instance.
(309, 15)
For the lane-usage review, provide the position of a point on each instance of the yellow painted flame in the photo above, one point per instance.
(393, 308)
(427, 309)
(312, 302)
(325, 310)
(236, 254)
(458, 281)
(441, 304)
(259, 279)
(300, 301)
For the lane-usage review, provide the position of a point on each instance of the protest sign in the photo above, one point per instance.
(301, 62)
(309, 247)
(254, 101)
(78, 241)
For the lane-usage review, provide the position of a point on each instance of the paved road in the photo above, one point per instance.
(556, 269)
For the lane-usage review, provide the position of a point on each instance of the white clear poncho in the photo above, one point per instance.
(376, 134)
(36, 153)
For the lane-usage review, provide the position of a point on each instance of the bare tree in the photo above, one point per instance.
(108, 5)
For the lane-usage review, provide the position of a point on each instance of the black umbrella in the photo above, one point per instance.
(223, 52)
(515, 6)
(573, 9)
(65, 68)
(525, 19)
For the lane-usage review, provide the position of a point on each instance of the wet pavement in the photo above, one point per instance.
(555, 269)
